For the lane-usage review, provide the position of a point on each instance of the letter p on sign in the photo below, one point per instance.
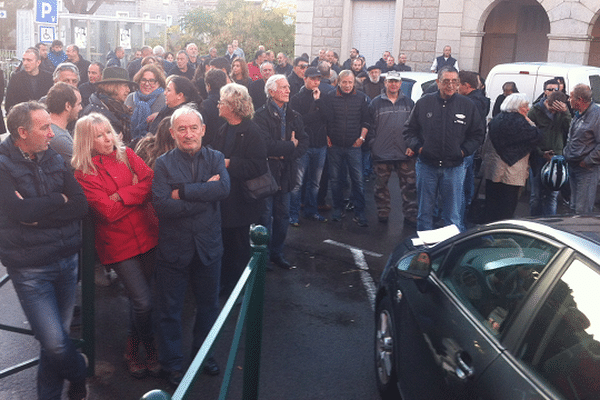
(46, 11)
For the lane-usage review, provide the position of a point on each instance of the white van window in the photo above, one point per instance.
(595, 84)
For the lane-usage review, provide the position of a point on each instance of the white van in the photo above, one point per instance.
(530, 78)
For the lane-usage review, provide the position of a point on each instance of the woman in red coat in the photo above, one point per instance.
(117, 184)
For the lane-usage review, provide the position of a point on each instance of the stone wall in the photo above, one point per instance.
(419, 31)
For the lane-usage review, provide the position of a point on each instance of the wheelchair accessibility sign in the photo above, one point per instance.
(46, 34)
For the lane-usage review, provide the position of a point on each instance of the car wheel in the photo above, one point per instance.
(385, 363)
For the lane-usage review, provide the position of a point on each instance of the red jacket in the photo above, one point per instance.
(123, 228)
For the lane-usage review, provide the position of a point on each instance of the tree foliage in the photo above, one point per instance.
(251, 23)
(81, 6)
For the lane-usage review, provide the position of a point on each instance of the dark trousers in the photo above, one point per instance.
(500, 200)
(236, 254)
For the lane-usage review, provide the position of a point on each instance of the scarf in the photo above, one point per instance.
(57, 58)
(121, 112)
(141, 111)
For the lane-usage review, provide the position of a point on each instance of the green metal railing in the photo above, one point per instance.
(251, 315)
(87, 341)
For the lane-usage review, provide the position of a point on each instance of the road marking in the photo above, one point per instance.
(361, 263)
(349, 247)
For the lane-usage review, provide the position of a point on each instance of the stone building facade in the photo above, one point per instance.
(482, 33)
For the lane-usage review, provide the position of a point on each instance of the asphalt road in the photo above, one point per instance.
(318, 321)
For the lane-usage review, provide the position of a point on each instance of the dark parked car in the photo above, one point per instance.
(509, 310)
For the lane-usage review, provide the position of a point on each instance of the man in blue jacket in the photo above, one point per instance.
(189, 182)
(443, 129)
(41, 205)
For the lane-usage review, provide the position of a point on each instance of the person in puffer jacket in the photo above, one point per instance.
(41, 207)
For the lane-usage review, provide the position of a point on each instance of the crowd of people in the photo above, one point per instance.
(161, 155)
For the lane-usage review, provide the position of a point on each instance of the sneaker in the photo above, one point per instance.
(316, 217)
(349, 206)
(383, 219)
(294, 222)
(361, 221)
(337, 215)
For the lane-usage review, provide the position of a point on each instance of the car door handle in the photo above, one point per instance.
(463, 369)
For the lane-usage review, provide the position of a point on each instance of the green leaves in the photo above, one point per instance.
(247, 21)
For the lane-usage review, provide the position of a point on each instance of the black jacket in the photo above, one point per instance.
(82, 66)
(19, 88)
(481, 102)
(346, 115)
(444, 128)
(41, 183)
(281, 152)
(210, 114)
(313, 117)
(246, 150)
(513, 137)
(295, 83)
(257, 92)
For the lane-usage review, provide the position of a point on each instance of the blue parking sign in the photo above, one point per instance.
(46, 11)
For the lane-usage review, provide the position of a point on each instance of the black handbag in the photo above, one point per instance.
(260, 187)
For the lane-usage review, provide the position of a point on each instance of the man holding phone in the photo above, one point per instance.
(552, 117)
(308, 103)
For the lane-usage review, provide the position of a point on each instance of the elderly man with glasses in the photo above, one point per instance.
(442, 130)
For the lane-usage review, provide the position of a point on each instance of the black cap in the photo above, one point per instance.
(372, 67)
(312, 72)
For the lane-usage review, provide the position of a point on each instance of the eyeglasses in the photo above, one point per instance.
(148, 81)
(551, 90)
(303, 66)
(448, 82)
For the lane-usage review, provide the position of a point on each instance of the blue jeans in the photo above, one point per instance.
(276, 218)
(172, 282)
(448, 182)
(543, 201)
(352, 158)
(584, 183)
(367, 162)
(47, 295)
(310, 164)
(469, 179)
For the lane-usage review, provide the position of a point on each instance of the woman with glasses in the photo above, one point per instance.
(147, 101)
(240, 140)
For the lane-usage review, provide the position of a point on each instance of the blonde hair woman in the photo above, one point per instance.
(117, 184)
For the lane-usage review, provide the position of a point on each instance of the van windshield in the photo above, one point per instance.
(595, 84)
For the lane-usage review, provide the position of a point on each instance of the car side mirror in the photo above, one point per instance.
(419, 267)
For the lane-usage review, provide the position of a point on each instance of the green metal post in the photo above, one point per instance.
(88, 293)
(260, 240)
